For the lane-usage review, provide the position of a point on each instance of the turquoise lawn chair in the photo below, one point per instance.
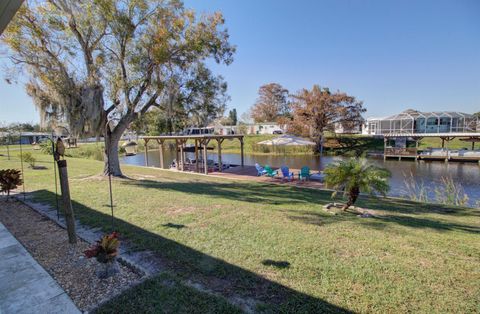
(304, 173)
(270, 172)
(260, 170)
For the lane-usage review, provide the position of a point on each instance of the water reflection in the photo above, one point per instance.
(430, 173)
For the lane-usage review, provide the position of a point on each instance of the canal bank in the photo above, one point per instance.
(424, 173)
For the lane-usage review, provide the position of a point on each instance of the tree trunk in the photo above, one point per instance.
(352, 197)
(112, 139)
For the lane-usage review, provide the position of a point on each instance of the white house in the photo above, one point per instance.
(264, 128)
(416, 122)
(253, 128)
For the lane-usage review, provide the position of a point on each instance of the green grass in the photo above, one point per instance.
(453, 144)
(411, 258)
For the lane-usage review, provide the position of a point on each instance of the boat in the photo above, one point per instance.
(130, 148)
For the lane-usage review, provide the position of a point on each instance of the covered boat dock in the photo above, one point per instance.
(200, 144)
(402, 150)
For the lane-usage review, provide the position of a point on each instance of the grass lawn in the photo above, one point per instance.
(453, 144)
(275, 244)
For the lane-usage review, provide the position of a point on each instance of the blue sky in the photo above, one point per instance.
(393, 55)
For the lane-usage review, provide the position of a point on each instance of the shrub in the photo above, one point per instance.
(445, 192)
(450, 193)
(28, 158)
(106, 249)
(46, 148)
(353, 176)
(10, 179)
(415, 191)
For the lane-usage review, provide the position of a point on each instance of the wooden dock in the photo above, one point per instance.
(403, 151)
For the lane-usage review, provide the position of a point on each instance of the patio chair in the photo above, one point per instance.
(260, 170)
(287, 175)
(270, 172)
(304, 173)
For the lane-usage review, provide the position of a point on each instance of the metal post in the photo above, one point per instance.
(55, 175)
(107, 148)
(21, 163)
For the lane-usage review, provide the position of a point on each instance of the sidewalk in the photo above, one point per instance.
(25, 287)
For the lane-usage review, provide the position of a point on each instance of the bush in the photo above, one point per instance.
(46, 148)
(10, 179)
(28, 158)
(105, 249)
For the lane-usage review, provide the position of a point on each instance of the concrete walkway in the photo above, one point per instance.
(25, 287)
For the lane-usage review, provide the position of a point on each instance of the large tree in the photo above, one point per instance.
(91, 61)
(271, 104)
(204, 97)
(318, 110)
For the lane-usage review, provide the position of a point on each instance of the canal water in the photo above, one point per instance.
(428, 173)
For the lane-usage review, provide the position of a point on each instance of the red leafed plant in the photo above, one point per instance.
(106, 249)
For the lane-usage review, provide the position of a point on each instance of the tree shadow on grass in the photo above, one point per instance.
(248, 192)
(380, 222)
(411, 207)
(174, 226)
(275, 194)
(276, 264)
(184, 262)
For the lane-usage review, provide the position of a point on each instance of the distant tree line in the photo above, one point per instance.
(20, 127)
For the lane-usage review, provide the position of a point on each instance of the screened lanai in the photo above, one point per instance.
(416, 122)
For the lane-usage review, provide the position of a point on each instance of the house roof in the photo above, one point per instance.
(413, 114)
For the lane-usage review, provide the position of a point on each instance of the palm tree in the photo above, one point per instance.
(353, 176)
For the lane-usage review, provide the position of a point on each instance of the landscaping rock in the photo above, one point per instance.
(47, 242)
(366, 215)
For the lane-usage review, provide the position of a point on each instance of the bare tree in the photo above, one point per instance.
(318, 110)
(271, 104)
